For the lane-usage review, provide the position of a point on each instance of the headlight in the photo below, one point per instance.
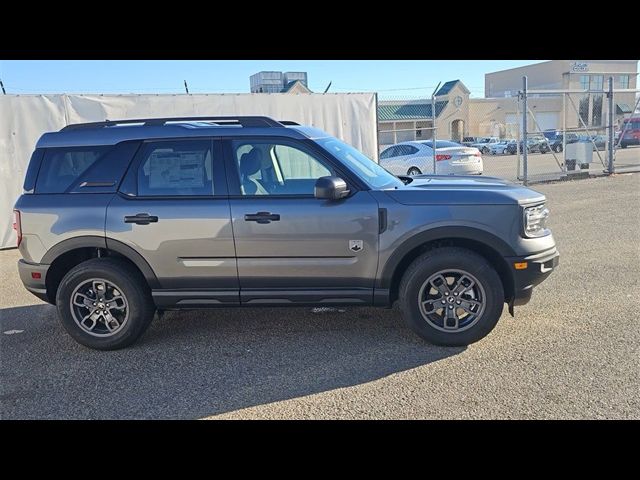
(535, 221)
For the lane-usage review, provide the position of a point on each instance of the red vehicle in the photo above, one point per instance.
(630, 131)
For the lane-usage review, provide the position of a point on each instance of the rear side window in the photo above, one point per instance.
(170, 168)
(61, 167)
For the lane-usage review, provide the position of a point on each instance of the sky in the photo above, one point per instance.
(391, 78)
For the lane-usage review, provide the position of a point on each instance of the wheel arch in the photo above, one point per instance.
(489, 246)
(66, 254)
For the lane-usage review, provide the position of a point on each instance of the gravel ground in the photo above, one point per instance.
(573, 352)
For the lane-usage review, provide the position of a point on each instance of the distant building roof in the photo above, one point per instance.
(409, 111)
(448, 86)
(301, 87)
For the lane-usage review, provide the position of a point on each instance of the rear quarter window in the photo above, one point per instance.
(61, 167)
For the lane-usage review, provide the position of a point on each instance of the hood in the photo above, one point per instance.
(463, 190)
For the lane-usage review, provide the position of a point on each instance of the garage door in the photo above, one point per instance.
(546, 121)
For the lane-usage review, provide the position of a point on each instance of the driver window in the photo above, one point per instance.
(274, 168)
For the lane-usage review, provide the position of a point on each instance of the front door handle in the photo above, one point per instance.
(262, 217)
(141, 219)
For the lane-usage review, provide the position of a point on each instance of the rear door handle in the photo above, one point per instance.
(262, 217)
(141, 219)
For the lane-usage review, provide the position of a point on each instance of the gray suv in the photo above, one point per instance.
(120, 219)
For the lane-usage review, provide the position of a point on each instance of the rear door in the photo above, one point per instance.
(292, 247)
(173, 209)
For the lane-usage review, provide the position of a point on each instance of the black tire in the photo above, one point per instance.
(134, 289)
(623, 145)
(414, 171)
(456, 258)
(485, 150)
(558, 149)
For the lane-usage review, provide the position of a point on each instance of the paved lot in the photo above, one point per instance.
(573, 352)
(545, 166)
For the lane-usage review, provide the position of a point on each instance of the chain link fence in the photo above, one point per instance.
(530, 136)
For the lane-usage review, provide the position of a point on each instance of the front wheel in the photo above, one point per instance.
(104, 303)
(451, 296)
(485, 150)
(413, 171)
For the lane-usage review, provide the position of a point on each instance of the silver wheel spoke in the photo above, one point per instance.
(116, 303)
(442, 286)
(430, 306)
(85, 301)
(451, 319)
(470, 306)
(94, 321)
(461, 286)
(99, 287)
(111, 322)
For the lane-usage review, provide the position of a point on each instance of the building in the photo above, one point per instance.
(402, 121)
(279, 82)
(499, 114)
(583, 109)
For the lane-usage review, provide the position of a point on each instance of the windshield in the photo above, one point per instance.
(367, 170)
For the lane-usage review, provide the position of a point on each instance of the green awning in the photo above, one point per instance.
(622, 108)
(409, 111)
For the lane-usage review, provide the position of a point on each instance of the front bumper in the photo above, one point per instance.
(37, 286)
(539, 267)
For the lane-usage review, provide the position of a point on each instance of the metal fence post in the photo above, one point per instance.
(611, 127)
(433, 121)
(525, 113)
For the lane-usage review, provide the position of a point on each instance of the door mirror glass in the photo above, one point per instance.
(331, 188)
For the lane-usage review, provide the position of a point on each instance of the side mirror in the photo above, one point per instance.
(330, 188)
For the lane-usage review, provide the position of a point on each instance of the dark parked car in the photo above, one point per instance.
(120, 219)
(556, 144)
(538, 144)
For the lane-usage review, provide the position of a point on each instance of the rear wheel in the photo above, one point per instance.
(104, 303)
(451, 296)
(414, 171)
(485, 150)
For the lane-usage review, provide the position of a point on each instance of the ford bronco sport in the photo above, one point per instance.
(120, 219)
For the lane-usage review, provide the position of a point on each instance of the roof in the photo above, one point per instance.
(622, 108)
(448, 86)
(289, 86)
(409, 111)
(106, 134)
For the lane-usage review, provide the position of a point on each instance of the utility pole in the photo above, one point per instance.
(186, 88)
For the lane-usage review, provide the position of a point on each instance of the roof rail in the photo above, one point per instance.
(288, 122)
(250, 121)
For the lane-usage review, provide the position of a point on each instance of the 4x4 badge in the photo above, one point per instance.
(355, 245)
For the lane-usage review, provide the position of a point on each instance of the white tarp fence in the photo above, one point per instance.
(23, 118)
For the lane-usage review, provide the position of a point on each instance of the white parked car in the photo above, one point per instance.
(483, 143)
(415, 158)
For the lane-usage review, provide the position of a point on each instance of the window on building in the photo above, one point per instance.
(584, 82)
(597, 82)
(596, 110)
(623, 81)
(584, 109)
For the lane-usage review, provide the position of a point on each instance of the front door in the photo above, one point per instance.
(290, 246)
(173, 210)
